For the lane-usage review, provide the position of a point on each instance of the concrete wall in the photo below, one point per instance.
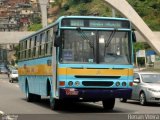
(12, 37)
(142, 39)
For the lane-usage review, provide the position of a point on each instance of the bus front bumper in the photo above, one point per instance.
(94, 94)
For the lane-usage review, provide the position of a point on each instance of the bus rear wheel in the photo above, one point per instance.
(108, 104)
(29, 96)
(37, 98)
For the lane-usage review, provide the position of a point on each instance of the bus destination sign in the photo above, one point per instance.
(77, 23)
(95, 23)
(110, 24)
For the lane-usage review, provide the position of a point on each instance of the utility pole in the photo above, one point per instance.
(43, 6)
(113, 12)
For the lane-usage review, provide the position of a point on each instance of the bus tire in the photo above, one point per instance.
(54, 103)
(123, 100)
(37, 98)
(29, 96)
(108, 104)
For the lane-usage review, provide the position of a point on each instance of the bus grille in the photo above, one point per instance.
(97, 83)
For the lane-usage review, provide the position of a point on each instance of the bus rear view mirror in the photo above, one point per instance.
(57, 41)
(134, 37)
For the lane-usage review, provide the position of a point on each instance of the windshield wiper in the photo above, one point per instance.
(84, 36)
(107, 42)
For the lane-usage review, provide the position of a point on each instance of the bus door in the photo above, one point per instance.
(54, 75)
(54, 61)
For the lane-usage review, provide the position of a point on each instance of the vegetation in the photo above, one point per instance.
(149, 11)
(141, 46)
(34, 27)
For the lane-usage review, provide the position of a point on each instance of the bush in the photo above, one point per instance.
(79, 1)
(34, 27)
(66, 7)
(36, 20)
(85, 1)
(82, 10)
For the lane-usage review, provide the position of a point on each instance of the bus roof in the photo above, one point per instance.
(75, 17)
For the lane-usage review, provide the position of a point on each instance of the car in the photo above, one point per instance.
(3, 70)
(13, 75)
(146, 88)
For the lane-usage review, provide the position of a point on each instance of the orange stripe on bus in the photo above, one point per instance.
(47, 70)
(70, 71)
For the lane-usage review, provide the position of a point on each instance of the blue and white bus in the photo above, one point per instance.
(78, 58)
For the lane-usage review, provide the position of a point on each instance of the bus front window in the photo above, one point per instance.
(103, 47)
(114, 47)
(78, 47)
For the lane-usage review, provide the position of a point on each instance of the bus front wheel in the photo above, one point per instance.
(123, 100)
(54, 103)
(108, 104)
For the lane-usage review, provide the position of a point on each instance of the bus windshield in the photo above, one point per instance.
(110, 47)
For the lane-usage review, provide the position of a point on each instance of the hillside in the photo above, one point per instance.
(148, 9)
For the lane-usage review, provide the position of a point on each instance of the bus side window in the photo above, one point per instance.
(47, 42)
(20, 51)
(34, 47)
(24, 49)
(37, 44)
(42, 44)
(52, 39)
(29, 48)
(48, 45)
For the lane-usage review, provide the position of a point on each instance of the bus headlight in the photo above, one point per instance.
(70, 83)
(77, 83)
(124, 83)
(117, 83)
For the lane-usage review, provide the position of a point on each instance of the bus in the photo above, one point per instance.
(78, 58)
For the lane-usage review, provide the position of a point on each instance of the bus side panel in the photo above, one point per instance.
(36, 72)
(21, 80)
(37, 84)
(43, 84)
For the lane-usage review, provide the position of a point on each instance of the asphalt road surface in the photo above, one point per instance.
(12, 101)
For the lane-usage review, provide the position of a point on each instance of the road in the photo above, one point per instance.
(12, 101)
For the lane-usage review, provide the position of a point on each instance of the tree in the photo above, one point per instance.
(59, 3)
(34, 27)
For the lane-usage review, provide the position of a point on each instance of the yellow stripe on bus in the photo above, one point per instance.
(47, 70)
(114, 72)
(35, 70)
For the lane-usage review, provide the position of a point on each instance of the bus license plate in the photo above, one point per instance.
(71, 92)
